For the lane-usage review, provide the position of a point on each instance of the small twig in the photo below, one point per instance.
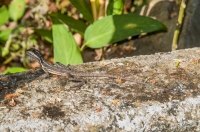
(178, 25)
(12, 56)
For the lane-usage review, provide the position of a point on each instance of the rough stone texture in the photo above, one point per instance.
(105, 104)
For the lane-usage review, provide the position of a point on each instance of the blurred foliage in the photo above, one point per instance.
(14, 70)
(34, 23)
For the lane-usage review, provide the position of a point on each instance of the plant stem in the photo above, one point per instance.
(82, 47)
(101, 9)
(94, 9)
(12, 57)
(178, 25)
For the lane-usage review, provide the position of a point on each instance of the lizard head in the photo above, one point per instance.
(35, 54)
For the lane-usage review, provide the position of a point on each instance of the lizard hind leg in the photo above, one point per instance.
(82, 82)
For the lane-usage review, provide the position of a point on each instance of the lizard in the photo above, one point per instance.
(60, 69)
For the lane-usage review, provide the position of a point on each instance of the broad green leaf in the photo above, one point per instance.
(4, 15)
(84, 8)
(115, 7)
(4, 34)
(14, 70)
(16, 9)
(118, 27)
(66, 50)
(46, 34)
(76, 25)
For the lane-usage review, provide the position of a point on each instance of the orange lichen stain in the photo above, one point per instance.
(195, 61)
(57, 90)
(55, 76)
(53, 100)
(12, 103)
(4, 79)
(115, 102)
(156, 89)
(36, 114)
(118, 80)
(170, 96)
(188, 94)
(106, 92)
(11, 96)
(99, 109)
(192, 61)
(153, 81)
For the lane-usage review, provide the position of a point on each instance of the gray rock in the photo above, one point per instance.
(104, 104)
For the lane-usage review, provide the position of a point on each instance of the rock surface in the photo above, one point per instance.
(169, 101)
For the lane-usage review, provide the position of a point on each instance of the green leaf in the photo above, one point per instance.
(16, 9)
(118, 27)
(66, 50)
(4, 34)
(14, 70)
(4, 14)
(46, 34)
(115, 7)
(84, 8)
(77, 25)
(4, 51)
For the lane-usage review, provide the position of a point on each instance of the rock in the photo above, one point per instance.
(168, 101)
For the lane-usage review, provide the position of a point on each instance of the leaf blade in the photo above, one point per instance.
(77, 25)
(16, 9)
(66, 50)
(14, 70)
(118, 27)
(4, 34)
(47, 34)
(4, 14)
(84, 8)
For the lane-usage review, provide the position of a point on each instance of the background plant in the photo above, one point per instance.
(101, 29)
(103, 23)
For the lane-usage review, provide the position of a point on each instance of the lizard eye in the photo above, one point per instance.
(37, 53)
